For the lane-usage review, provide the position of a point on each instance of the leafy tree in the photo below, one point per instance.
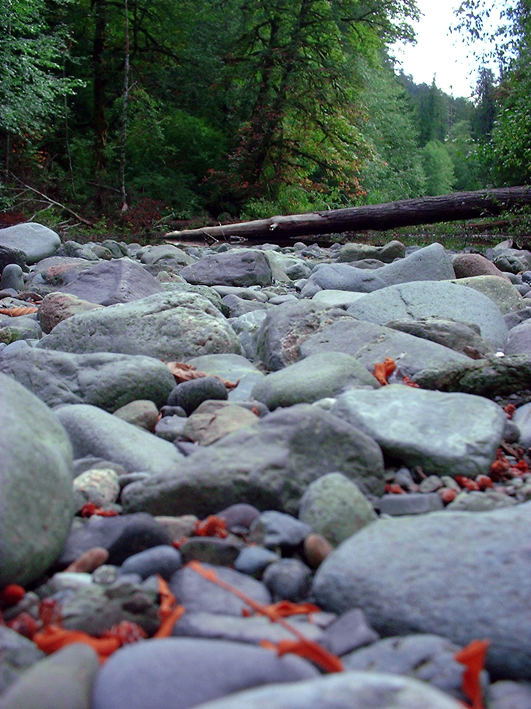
(483, 120)
(438, 168)
(465, 154)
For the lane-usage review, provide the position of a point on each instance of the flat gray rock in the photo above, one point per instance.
(34, 240)
(169, 326)
(269, 463)
(61, 681)
(316, 377)
(500, 290)
(101, 379)
(237, 267)
(93, 431)
(185, 672)
(345, 690)
(110, 282)
(447, 434)
(371, 343)
(36, 499)
(443, 573)
(421, 299)
(18, 654)
(519, 339)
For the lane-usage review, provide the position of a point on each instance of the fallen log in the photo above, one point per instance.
(408, 212)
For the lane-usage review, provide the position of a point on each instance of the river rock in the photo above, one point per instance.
(18, 654)
(285, 328)
(500, 290)
(519, 339)
(56, 307)
(422, 299)
(34, 240)
(470, 265)
(61, 681)
(169, 326)
(271, 463)
(214, 419)
(334, 507)
(101, 379)
(172, 671)
(409, 592)
(93, 431)
(320, 375)
(446, 434)
(459, 336)
(237, 267)
(36, 505)
(344, 690)
(387, 253)
(109, 282)
(371, 343)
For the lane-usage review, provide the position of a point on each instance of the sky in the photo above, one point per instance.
(437, 52)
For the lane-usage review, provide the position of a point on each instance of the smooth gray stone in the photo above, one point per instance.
(247, 327)
(253, 629)
(190, 394)
(348, 632)
(342, 276)
(288, 579)
(336, 298)
(93, 431)
(285, 328)
(36, 500)
(428, 658)
(274, 530)
(458, 336)
(387, 253)
(61, 681)
(411, 504)
(344, 690)
(109, 282)
(23, 327)
(12, 277)
(34, 240)
(519, 339)
(10, 255)
(315, 377)
(371, 343)
(164, 255)
(447, 434)
(334, 507)
(509, 695)
(421, 299)
(200, 595)
(522, 418)
(253, 560)
(101, 379)
(412, 592)
(168, 326)
(237, 267)
(164, 560)
(17, 654)
(172, 672)
(270, 463)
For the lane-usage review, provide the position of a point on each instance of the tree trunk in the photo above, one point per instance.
(424, 210)
(99, 119)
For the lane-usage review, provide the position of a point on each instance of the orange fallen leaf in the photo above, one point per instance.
(302, 646)
(185, 372)
(384, 369)
(52, 638)
(212, 526)
(285, 609)
(18, 310)
(169, 612)
(473, 657)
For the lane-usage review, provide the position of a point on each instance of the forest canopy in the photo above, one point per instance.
(145, 109)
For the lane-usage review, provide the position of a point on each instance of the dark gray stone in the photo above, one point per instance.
(164, 560)
(33, 240)
(101, 379)
(237, 267)
(12, 277)
(519, 339)
(189, 395)
(253, 560)
(276, 529)
(288, 579)
(348, 632)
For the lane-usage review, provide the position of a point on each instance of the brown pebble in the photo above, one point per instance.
(89, 560)
(316, 549)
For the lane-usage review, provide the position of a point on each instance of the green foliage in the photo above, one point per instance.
(466, 157)
(438, 167)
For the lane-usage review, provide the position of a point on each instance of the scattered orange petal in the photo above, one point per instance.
(409, 382)
(394, 489)
(310, 650)
(384, 369)
(473, 657)
(18, 310)
(212, 526)
(12, 594)
(89, 509)
(284, 609)
(52, 638)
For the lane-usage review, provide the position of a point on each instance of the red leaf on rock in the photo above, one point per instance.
(212, 526)
(447, 494)
(473, 657)
(466, 482)
(12, 594)
(185, 372)
(89, 509)
(384, 369)
(394, 489)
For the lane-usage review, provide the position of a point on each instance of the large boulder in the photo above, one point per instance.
(36, 499)
(102, 379)
(500, 290)
(371, 343)
(446, 434)
(270, 464)
(443, 573)
(421, 299)
(33, 240)
(110, 282)
(237, 267)
(168, 326)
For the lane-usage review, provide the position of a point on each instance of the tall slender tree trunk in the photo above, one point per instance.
(99, 119)
(123, 191)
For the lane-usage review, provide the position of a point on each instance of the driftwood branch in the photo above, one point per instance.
(51, 202)
(409, 212)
